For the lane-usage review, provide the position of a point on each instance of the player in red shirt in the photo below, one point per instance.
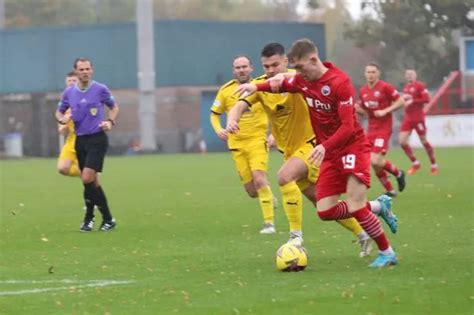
(342, 150)
(416, 96)
(378, 99)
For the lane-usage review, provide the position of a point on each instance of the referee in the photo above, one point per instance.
(87, 100)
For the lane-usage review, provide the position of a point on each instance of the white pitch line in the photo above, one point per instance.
(94, 283)
(53, 281)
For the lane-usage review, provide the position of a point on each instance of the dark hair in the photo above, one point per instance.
(301, 48)
(82, 59)
(272, 49)
(71, 74)
(373, 64)
(242, 56)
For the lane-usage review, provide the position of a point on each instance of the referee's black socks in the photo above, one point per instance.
(90, 197)
(102, 204)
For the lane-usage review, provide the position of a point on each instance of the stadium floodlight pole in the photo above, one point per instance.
(2, 14)
(146, 74)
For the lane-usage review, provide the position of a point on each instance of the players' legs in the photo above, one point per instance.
(67, 162)
(308, 189)
(88, 177)
(250, 189)
(291, 171)
(329, 208)
(91, 160)
(257, 157)
(403, 137)
(63, 166)
(428, 148)
(378, 162)
(265, 198)
(357, 206)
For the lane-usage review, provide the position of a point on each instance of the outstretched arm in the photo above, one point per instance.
(234, 115)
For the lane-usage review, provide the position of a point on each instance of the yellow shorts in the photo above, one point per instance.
(252, 157)
(68, 152)
(313, 171)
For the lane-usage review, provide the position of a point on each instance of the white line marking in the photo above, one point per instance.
(87, 284)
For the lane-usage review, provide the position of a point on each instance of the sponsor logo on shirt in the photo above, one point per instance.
(317, 104)
(370, 104)
(325, 90)
(347, 103)
(83, 100)
(93, 111)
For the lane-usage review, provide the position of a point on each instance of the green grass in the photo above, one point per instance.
(188, 236)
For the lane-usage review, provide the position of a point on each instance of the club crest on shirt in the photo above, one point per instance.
(93, 111)
(377, 94)
(325, 90)
(216, 103)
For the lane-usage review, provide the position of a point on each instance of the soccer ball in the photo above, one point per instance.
(291, 257)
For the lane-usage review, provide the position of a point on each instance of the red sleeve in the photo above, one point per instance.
(264, 86)
(291, 85)
(360, 101)
(391, 92)
(288, 85)
(422, 94)
(345, 109)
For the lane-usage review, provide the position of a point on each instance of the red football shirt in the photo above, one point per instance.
(331, 106)
(415, 95)
(380, 96)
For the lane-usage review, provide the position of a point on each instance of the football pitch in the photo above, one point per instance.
(187, 242)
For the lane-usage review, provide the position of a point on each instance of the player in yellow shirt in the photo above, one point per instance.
(291, 128)
(249, 147)
(67, 161)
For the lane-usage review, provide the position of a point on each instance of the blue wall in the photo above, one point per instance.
(186, 52)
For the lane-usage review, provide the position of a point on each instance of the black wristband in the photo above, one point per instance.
(60, 122)
(111, 121)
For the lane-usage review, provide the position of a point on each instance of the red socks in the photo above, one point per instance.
(382, 176)
(392, 169)
(409, 152)
(371, 224)
(430, 152)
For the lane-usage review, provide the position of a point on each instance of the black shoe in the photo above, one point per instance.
(390, 194)
(87, 225)
(401, 181)
(108, 225)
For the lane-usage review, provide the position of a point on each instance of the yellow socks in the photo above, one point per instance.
(293, 205)
(352, 225)
(265, 197)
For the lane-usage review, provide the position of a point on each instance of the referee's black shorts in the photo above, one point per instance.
(91, 149)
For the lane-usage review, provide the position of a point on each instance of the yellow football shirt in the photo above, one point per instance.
(288, 115)
(253, 124)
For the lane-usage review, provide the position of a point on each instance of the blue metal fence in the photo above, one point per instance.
(186, 52)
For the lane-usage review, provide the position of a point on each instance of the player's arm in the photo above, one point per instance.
(397, 102)
(234, 116)
(109, 101)
(277, 86)
(217, 108)
(113, 113)
(359, 106)
(60, 113)
(424, 95)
